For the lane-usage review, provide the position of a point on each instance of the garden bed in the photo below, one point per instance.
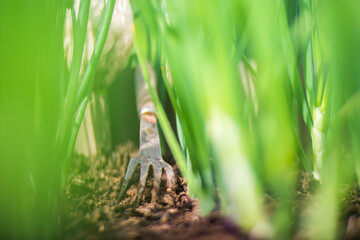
(94, 212)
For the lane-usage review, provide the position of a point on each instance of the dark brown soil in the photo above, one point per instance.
(95, 213)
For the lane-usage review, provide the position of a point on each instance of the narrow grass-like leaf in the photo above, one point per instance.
(292, 66)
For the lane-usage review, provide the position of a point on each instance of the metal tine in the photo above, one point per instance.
(129, 172)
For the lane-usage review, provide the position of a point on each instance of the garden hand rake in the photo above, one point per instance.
(150, 151)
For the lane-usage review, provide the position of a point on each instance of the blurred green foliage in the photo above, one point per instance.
(243, 77)
(242, 73)
(41, 106)
(31, 60)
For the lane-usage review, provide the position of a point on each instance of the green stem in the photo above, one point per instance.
(183, 129)
(178, 111)
(250, 67)
(290, 59)
(73, 137)
(76, 127)
(318, 138)
(325, 98)
(87, 81)
(79, 30)
(317, 57)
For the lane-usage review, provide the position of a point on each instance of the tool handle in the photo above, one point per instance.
(143, 99)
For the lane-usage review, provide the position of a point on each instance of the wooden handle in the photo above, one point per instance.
(143, 98)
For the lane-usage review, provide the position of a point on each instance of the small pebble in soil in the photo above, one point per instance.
(173, 211)
(353, 226)
(195, 220)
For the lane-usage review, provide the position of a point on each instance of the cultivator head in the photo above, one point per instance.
(150, 151)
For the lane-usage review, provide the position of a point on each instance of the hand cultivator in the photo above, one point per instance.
(150, 151)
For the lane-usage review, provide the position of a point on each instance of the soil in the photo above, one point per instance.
(95, 213)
